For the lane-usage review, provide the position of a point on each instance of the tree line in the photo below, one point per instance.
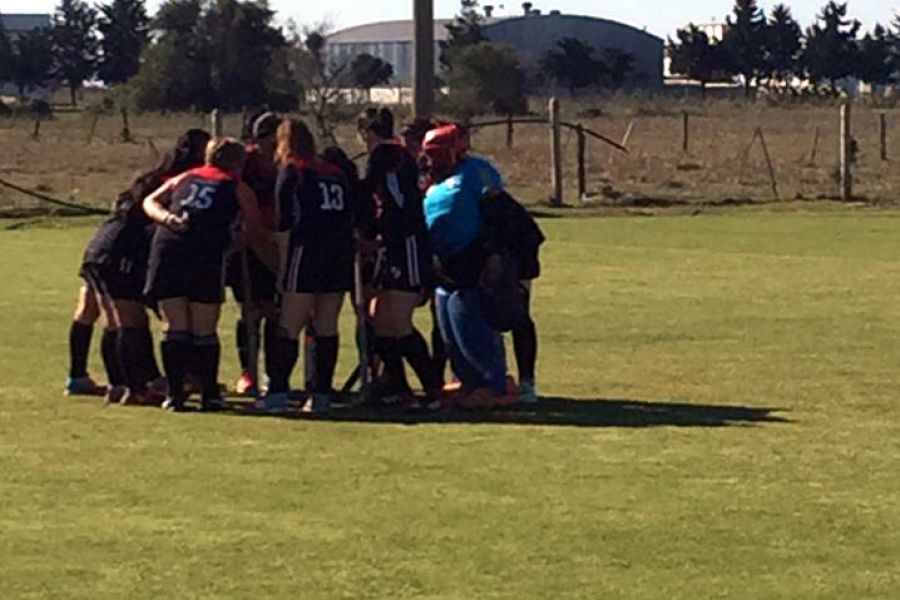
(774, 51)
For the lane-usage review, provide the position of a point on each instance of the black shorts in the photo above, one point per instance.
(262, 279)
(313, 270)
(529, 265)
(176, 272)
(120, 280)
(403, 267)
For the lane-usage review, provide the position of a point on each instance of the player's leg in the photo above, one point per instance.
(87, 311)
(294, 314)
(326, 313)
(177, 347)
(135, 350)
(525, 344)
(207, 350)
(479, 344)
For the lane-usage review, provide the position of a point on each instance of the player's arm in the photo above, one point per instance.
(285, 195)
(256, 235)
(157, 204)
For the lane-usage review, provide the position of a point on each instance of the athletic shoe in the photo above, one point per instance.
(115, 394)
(173, 405)
(83, 386)
(527, 392)
(426, 405)
(141, 398)
(319, 404)
(483, 398)
(271, 404)
(245, 386)
(159, 387)
(209, 405)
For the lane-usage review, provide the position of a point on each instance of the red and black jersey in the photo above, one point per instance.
(261, 174)
(392, 178)
(207, 198)
(315, 204)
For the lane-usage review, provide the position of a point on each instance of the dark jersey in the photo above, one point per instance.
(207, 199)
(126, 234)
(392, 178)
(261, 174)
(315, 204)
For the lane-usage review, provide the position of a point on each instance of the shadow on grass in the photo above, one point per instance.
(566, 412)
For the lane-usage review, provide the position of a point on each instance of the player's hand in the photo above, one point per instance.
(176, 223)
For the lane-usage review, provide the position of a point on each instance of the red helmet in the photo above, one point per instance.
(445, 138)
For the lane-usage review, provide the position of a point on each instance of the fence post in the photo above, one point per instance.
(846, 153)
(556, 153)
(94, 120)
(36, 134)
(685, 132)
(215, 123)
(765, 147)
(627, 137)
(582, 172)
(882, 124)
(126, 127)
(509, 131)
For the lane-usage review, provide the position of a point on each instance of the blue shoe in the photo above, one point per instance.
(272, 404)
(527, 392)
(84, 386)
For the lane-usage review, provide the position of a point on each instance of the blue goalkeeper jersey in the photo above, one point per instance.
(453, 206)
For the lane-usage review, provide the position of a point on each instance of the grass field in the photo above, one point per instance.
(723, 422)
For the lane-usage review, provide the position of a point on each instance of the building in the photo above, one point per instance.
(16, 25)
(531, 35)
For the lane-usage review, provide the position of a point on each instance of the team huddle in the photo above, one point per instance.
(292, 231)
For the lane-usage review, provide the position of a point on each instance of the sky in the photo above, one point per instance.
(661, 17)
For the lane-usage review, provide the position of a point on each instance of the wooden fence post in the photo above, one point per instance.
(685, 132)
(509, 131)
(765, 147)
(215, 123)
(627, 137)
(126, 127)
(815, 148)
(882, 126)
(36, 134)
(94, 120)
(582, 170)
(846, 153)
(556, 153)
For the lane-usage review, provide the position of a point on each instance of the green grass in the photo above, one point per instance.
(726, 423)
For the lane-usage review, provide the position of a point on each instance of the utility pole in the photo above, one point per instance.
(423, 66)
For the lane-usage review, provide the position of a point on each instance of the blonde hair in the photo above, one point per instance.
(294, 139)
(227, 154)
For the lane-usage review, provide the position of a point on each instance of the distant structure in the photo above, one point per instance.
(714, 30)
(530, 35)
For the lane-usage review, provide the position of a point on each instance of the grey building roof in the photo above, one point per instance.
(386, 31)
(555, 17)
(20, 23)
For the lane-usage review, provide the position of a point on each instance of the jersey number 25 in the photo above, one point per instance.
(200, 197)
(332, 197)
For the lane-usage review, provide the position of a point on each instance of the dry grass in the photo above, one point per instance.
(64, 164)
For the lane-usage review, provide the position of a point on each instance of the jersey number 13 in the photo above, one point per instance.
(332, 197)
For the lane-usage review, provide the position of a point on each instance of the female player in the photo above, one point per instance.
(315, 239)
(115, 265)
(87, 311)
(199, 213)
(401, 273)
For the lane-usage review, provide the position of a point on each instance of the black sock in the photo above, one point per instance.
(207, 354)
(525, 345)
(176, 353)
(146, 356)
(79, 348)
(326, 361)
(393, 375)
(111, 357)
(129, 351)
(270, 343)
(309, 357)
(414, 349)
(287, 351)
(243, 344)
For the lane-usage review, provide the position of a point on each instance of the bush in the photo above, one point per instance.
(483, 78)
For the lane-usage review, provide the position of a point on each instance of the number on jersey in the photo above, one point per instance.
(332, 196)
(200, 197)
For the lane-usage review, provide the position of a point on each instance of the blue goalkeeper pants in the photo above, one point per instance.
(475, 349)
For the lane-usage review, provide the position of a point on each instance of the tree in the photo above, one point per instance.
(573, 64)
(465, 30)
(32, 64)
(486, 77)
(75, 45)
(323, 84)
(369, 71)
(744, 42)
(6, 53)
(695, 57)
(877, 63)
(619, 64)
(125, 28)
(783, 43)
(831, 46)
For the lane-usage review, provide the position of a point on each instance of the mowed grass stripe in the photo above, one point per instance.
(657, 472)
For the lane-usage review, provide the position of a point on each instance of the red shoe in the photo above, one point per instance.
(245, 386)
(485, 398)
